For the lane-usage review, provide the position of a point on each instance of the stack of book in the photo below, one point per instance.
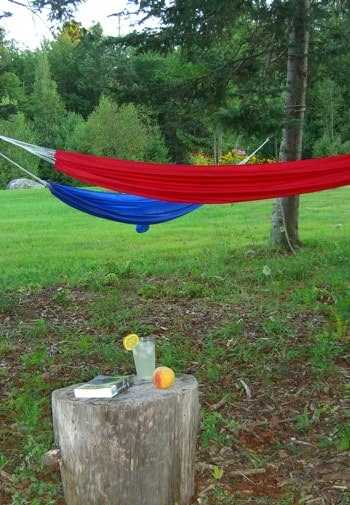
(104, 386)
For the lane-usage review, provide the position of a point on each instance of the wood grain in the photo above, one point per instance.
(134, 449)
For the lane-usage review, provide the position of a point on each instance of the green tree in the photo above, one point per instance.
(122, 132)
(64, 58)
(11, 93)
(166, 85)
(328, 112)
(48, 112)
(328, 104)
(97, 62)
(11, 87)
(81, 64)
(48, 109)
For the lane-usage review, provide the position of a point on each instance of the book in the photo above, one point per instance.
(104, 386)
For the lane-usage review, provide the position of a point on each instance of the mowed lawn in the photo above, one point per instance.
(45, 242)
(266, 334)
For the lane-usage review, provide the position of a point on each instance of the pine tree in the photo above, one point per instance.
(48, 109)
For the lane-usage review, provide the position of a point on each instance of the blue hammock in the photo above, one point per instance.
(123, 208)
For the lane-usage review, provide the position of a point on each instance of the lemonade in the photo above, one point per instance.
(145, 358)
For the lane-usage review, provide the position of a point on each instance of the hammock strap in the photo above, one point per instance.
(243, 162)
(42, 152)
(44, 183)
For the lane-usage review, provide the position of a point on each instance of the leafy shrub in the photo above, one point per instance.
(124, 132)
(326, 146)
(200, 158)
(236, 156)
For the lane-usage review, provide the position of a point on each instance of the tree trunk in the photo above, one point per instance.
(285, 214)
(218, 135)
(137, 448)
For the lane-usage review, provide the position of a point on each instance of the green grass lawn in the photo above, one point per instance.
(224, 308)
(45, 242)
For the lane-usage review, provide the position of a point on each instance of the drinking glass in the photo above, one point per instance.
(145, 358)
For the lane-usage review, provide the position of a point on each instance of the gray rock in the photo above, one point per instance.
(24, 184)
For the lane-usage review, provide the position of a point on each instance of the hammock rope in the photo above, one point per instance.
(17, 165)
(41, 152)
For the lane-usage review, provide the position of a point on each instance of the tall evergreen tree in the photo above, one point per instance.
(48, 112)
(48, 109)
(64, 57)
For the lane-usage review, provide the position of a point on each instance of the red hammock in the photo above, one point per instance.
(207, 184)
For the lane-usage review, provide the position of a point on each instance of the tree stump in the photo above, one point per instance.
(137, 448)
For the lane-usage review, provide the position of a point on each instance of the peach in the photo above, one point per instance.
(163, 377)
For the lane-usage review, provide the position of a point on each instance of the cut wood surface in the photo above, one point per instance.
(137, 448)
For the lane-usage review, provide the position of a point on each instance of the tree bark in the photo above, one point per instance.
(285, 216)
(137, 448)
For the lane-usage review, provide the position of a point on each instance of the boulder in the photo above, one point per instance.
(24, 184)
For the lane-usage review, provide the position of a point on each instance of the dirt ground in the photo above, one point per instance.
(274, 440)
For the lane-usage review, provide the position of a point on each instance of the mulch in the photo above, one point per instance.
(265, 458)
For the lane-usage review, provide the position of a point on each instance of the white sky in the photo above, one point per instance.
(29, 30)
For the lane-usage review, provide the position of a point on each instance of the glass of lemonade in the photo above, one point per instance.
(145, 358)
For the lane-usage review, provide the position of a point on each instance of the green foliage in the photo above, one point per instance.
(64, 59)
(168, 85)
(17, 126)
(38, 329)
(48, 109)
(214, 429)
(327, 146)
(11, 87)
(306, 420)
(210, 432)
(122, 132)
(343, 431)
(48, 114)
(326, 348)
(5, 347)
(327, 105)
(62, 297)
(200, 158)
(82, 66)
(203, 84)
(71, 123)
(218, 472)
(7, 301)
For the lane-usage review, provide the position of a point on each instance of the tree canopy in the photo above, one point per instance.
(210, 78)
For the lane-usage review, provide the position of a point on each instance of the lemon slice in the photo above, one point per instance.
(131, 341)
